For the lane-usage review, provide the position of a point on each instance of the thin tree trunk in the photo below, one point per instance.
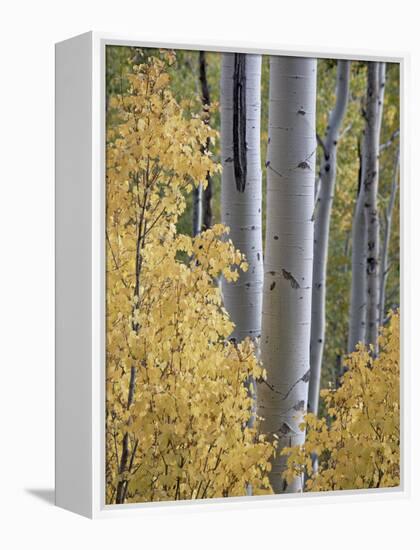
(288, 262)
(127, 454)
(207, 193)
(357, 315)
(322, 229)
(374, 108)
(197, 197)
(122, 485)
(387, 237)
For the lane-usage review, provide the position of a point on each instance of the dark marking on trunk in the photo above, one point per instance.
(239, 121)
(299, 406)
(289, 277)
(205, 98)
(301, 112)
(285, 429)
(306, 376)
(304, 165)
(371, 266)
(273, 284)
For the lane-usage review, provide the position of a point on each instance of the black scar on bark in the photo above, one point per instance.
(273, 284)
(239, 121)
(285, 429)
(306, 376)
(289, 277)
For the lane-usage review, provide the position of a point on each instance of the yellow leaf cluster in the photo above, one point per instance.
(177, 404)
(358, 445)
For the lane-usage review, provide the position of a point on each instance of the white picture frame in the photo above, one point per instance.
(80, 275)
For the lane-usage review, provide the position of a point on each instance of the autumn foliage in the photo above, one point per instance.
(358, 443)
(177, 404)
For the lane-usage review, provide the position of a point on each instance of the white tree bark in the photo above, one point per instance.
(364, 300)
(374, 109)
(323, 207)
(387, 237)
(286, 319)
(240, 97)
(197, 210)
(357, 315)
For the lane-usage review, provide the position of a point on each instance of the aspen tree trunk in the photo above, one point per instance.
(241, 186)
(357, 315)
(197, 197)
(364, 300)
(322, 228)
(374, 108)
(207, 193)
(387, 238)
(288, 262)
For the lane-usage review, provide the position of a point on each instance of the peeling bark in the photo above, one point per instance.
(286, 319)
(323, 207)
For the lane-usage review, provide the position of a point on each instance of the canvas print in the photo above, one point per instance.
(252, 275)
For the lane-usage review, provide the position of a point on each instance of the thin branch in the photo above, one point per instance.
(388, 143)
(321, 143)
(346, 129)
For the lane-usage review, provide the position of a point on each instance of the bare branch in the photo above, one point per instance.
(388, 143)
(321, 143)
(346, 129)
